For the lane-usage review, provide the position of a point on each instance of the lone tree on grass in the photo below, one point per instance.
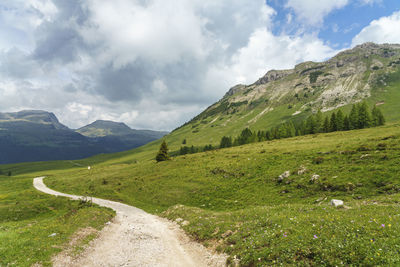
(162, 154)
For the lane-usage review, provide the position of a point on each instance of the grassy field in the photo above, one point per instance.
(232, 199)
(28, 219)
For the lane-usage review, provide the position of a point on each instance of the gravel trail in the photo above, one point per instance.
(136, 238)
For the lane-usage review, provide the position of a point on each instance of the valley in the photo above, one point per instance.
(263, 202)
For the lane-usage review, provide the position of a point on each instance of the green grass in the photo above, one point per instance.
(236, 189)
(28, 218)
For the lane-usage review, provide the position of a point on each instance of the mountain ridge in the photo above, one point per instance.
(37, 135)
(369, 72)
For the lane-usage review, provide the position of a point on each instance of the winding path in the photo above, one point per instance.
(136, 238)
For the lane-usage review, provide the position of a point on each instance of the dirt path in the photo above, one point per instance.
(136, 238)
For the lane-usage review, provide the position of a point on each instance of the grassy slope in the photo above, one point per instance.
(205, 132)
(236, 190)
(28, 217)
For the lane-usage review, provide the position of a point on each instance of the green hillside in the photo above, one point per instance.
(367, 72)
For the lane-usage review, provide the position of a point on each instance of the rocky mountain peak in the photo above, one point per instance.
(33, 116)
(235, 89)
(273, 75)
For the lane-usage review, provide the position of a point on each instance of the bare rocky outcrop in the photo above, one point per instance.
(337, 203)
(283, 176)
(235, 89)
(273, 75)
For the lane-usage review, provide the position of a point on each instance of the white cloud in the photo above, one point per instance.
(312, 12)
(151, 64)
(383, 30)
(266, 51)
(82, 109)
(162, 32)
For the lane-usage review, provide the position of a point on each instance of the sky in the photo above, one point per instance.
(155, 64)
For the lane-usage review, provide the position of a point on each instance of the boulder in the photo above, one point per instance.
(337, 202)
(301, 170)
(283, 176)
(314, 178)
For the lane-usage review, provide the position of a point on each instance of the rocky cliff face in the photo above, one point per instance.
(344, 79)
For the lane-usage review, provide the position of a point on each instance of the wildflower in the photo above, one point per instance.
(315, 236)
(389, 225)
(285, 234)
(383, 225)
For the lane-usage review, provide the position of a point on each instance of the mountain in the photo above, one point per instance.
(34, 135)
(368, 72)
(32, 116)
(117, 136)
(101, 128)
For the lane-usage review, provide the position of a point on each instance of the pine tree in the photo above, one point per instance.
(193, 149)
(346, 123)
(319, 122)
(245, 137)
(261, 136)
(333, 123)
(381, 118)
(340, 120)
(303, 128)
(268, 135)
(311, 126)
(184, 150)
(162, 154)
(377, 117)
(364, 117)
(281, 132)
(225, 142)
(291, 130)
(326, 127)
(353, 118)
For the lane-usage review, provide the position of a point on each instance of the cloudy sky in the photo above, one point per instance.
(155, 64)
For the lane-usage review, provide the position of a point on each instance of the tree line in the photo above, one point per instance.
(360, 117)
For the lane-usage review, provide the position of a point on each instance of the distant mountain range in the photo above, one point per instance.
(34, 135)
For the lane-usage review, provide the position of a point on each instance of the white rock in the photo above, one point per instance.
(314, 178)
(53, 234)
(301, 170)
(336, 202)
(284, 175)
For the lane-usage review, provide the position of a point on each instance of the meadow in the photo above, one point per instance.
(35, 226)
(232, 200)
